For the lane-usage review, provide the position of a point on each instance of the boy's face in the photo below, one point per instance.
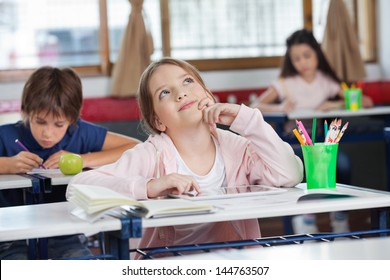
(47, 129)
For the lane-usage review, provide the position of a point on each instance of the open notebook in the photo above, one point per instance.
(93, 202)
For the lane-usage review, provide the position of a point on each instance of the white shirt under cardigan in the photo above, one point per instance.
(209, 184)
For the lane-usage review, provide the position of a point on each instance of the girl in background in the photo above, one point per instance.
(186, 152)
(307, 81)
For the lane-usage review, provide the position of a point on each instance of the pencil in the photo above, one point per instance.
(330, 136)
(341, 133)
(308, 140)
(301, 134)
(298, 136)
(325, 128)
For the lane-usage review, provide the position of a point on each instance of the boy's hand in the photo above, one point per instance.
(173, 183)
(24, 162)
(54, 159)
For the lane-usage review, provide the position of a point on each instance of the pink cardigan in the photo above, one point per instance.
(258, 156)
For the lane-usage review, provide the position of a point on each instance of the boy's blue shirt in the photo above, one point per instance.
(81, 138)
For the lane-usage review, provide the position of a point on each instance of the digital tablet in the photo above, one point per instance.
(231, 192)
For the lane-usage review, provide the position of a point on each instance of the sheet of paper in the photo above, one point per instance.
(45, 171)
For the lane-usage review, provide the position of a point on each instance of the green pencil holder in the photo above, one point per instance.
(353, 99)
(320, 165)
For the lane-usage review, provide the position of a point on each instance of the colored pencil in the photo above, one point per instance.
(341, 133)
(301, 126)
(325, 128)
(298, 136)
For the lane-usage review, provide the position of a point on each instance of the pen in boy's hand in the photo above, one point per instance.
(25, 149)
(21, 145)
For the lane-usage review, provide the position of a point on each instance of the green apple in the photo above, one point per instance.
(70, 164)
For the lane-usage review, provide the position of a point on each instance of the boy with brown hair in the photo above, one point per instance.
(51, 126)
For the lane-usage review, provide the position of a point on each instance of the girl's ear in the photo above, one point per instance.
(159, 125)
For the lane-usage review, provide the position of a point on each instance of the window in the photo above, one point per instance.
(203, 29)
(217, 34)
(39, 32)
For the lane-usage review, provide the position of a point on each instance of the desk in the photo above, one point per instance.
(59, 179)
(21, 181)
(309, 114)
(31, 187)
(49, 180)
(34, 187)
(361, 249)
(53, 177)
(54, 219)
(17, 181)
(14, 181)
(36, 184)
(382, 112)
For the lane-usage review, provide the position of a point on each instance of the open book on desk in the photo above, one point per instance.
(313, 194)
(260, 196)
(93, 202)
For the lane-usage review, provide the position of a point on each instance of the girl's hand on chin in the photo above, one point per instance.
(205, 102)
(222, 113)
